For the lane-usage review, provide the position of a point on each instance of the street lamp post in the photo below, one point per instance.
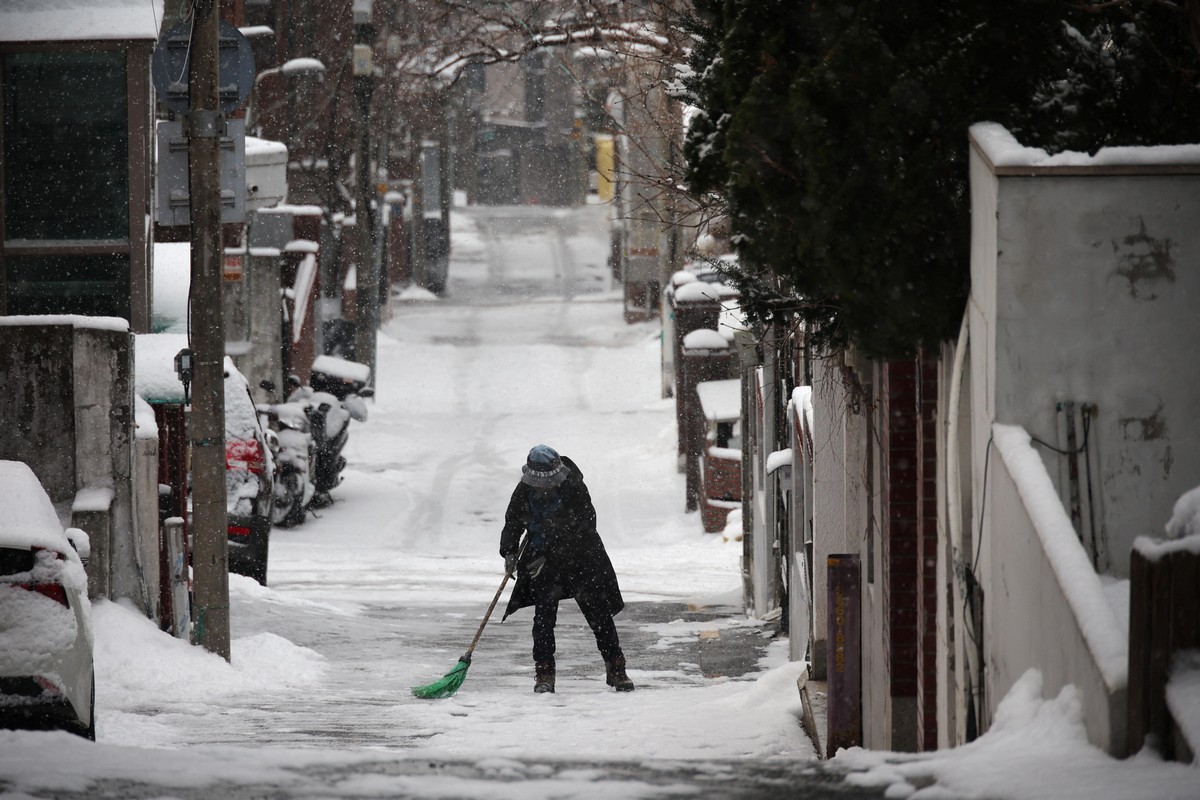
(367, 278)
(295, 66)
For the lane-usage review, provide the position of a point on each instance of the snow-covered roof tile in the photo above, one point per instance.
(79, 20)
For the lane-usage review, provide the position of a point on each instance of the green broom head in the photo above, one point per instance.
(447, 684)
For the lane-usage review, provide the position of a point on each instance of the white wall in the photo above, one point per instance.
(864, 515)
(145, 506)
(829, 492)
(1095, 286)
(1083, 290)
(1030, 622)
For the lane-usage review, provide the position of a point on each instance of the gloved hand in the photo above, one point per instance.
(510, 564)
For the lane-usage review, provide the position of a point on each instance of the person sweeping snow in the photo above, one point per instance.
(563, 558)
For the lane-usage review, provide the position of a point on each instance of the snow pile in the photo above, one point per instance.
(137, 663)
(726, 719)
(415, 294)
(1035, 749)
(733, 527)
(1185, 517)
(93, 498)
(1183, 530)
(144, 421)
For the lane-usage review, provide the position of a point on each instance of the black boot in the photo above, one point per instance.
(616, 676)
(545, 677)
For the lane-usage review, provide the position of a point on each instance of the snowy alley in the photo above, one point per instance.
(383, 591)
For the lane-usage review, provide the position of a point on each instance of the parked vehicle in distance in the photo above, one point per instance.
(310, 430)
(335, 396)
(249, 470)
(47, 676)
(291, 445)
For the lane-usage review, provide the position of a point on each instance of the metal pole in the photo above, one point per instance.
(207, 332)
(418, 252)
(367, 275)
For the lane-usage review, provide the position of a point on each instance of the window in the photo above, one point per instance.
(92, 285)
(66, 155)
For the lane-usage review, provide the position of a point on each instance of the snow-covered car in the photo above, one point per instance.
(709, 270)
(47, 677)
(248, 478)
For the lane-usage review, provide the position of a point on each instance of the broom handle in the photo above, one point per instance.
(467, 656)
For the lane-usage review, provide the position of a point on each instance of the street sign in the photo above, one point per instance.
(169, 67)
(171, 176)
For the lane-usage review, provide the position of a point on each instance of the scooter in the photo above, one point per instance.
(334, 397)
(289, 437)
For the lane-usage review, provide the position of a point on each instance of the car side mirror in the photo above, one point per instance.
(82, 543)
(267, 386)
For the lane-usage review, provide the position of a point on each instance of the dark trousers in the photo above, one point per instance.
(545, 615)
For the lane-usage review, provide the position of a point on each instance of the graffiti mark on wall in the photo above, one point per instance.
(1144, 429)
(1144, 262)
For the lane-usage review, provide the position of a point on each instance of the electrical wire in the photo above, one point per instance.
(1087, 429)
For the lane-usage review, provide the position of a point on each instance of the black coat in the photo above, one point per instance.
(576, 563)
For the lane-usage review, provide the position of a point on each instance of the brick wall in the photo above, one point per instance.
(900, 477)
(927, 733)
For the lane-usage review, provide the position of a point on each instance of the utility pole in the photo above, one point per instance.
(204, 125)
(367, 275)
(418, 253)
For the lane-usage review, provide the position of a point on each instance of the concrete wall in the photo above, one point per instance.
(254, 344)
(829, 481)
(1030, 622)
(145, 509)
(37, 402)
(1082, 292)
(67, 387)
(800, 614)
(864, 515)
(1089, 295)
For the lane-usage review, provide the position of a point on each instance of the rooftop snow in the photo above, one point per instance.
(705, 339)
(1003, 150)
(721, 400)
(341, 368)
(74, 320)
(697, 291)
(265, 151)
(79, 20)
